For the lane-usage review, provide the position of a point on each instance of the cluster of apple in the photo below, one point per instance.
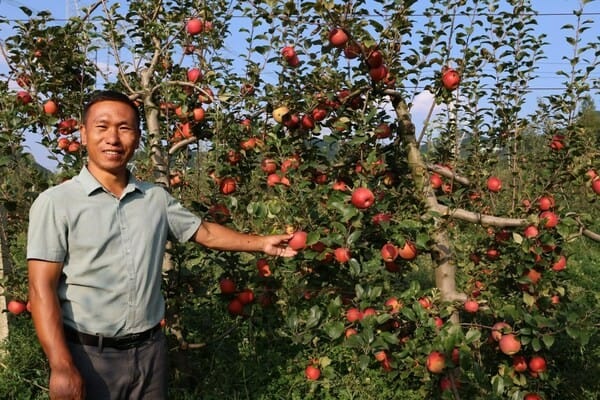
(18, 307)
(239, 299)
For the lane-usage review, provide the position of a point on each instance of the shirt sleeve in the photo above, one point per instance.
(47, 232)
(183, 223)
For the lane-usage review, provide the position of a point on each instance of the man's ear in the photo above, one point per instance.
(83, 134)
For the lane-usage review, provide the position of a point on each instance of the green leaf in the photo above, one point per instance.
(334, 329)
(548, 340)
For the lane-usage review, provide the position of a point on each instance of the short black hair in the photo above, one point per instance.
(111, 95)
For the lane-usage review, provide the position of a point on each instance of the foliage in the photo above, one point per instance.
(259, 104)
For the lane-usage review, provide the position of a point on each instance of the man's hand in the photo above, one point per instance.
(66, 384)
(276, 245)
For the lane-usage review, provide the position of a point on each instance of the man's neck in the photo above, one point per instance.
(115, 183)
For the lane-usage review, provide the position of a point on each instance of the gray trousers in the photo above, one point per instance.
(112, 374)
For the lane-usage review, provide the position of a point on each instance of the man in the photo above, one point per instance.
(95, 250)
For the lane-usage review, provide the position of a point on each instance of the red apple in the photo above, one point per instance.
(288, 52)
(369, 312)
(349, 332)
(532, 396)
(194, 74)
(494, 184)
(24, 97)
(425, 302)
(352, 50)
(383, 131)
(531, 231)
(353, 314)
(378, 73)
(499, 329)
(298, 240)
(450, 79)
(246, 296)
(312, 373)
(436, 362)
(471, 306)
(339, 185)
(436, 181)
(408, 251)
(63, 143)
(268, 165)
(307, 122)
(342, 254)
(393, 305)
(50, 107)
(519, 363)
(273, 179)
(381, 217)
(389, 252)
(319, 114)
(235, 307)
(16, 307)
(509, 344)
(550, 219)
(198, 114)
(375, 59)
(560, 264)
(263, 267)
(596, 185)
(228, 186)
(194, 26)
(338, 37)
(545, 203)
(362, 198)
(73, 147)
(537, 364)
(227, 286)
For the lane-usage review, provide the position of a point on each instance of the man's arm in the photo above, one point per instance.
(220, 237)
(65, 380)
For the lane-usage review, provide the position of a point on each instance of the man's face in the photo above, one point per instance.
(111, 136)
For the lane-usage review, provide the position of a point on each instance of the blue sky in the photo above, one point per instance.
(553, 15)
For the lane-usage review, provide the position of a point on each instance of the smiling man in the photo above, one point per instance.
(95, 250)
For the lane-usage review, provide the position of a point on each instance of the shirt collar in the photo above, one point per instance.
(90, 183)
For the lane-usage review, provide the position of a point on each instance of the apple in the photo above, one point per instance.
(533, 275)
(340, 186)
(63, 143)
(293, 62)
(228, 186)
(50, 107)
(298, 240)
(248, 144)
(389, 252)
(289, 53)
(509, 344)
(292, 121)
(233, 157)
(289, 163)
(342, 254)
(319, 114)
(227, 286)
(307, 122)
(393, 305)
(338, 37)
(369, 312)
(591, 173)
(246, 296)
(436, 181)
(194, 26)
(450, 78)
(353, 314)
(378, 73)
(557, 142)
(24, 97)
(375, 59)
(499, 329)
(380, 218)
(194, 74)
(24, 80)
(425, 302)
(67, 126)
(545, 203)
(436, 362)
(471, 306)
(383, 131)
(312, 373)
(408, 251)
(198, 113)
(362, 198)
(349, 332)
(519, 363)
(206, 96)
(74, 147)
(560, 264)
(352, 50)
(16, 307)
(531, 231)
(263, 267)
(532, 396)
(273, 179)
(279, 113)
(268, 165)
(550, 218)
(438, 322)
(494, 184)
(381, 355)
(537, 364)
(235, 307)
(492, 254)
(596, 185)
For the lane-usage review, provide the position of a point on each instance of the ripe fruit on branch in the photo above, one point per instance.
(50, 107)
(227, 286)
(228, 185)
(436, 181)
(519, 363)
(235, 307)
(549, 219)
(436, 362)
(378, 73)
(354, 314)
(375, 59)
(408, 251)
(312, 373)
(545, 203)
(471, 306)
(288, 52)
(263, 267)
(450, 78)
(509, 344)
(362, 198)
(499, 329)
(338, 37)
(246, 296)
(352, 50)
(531, 231)
(298, 241)
(279, 113)
(389, 252)
(494, 184)
(342, 254)
(537, 364)
(194, 74)
(194, 26)
(24, 97)
(596, 185)
(532, 396)
(16, 307)
(560, 264)
(268, 165)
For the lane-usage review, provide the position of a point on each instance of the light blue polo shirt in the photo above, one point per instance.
(112, 250)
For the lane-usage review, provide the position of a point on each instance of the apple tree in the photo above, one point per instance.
(435, 253)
